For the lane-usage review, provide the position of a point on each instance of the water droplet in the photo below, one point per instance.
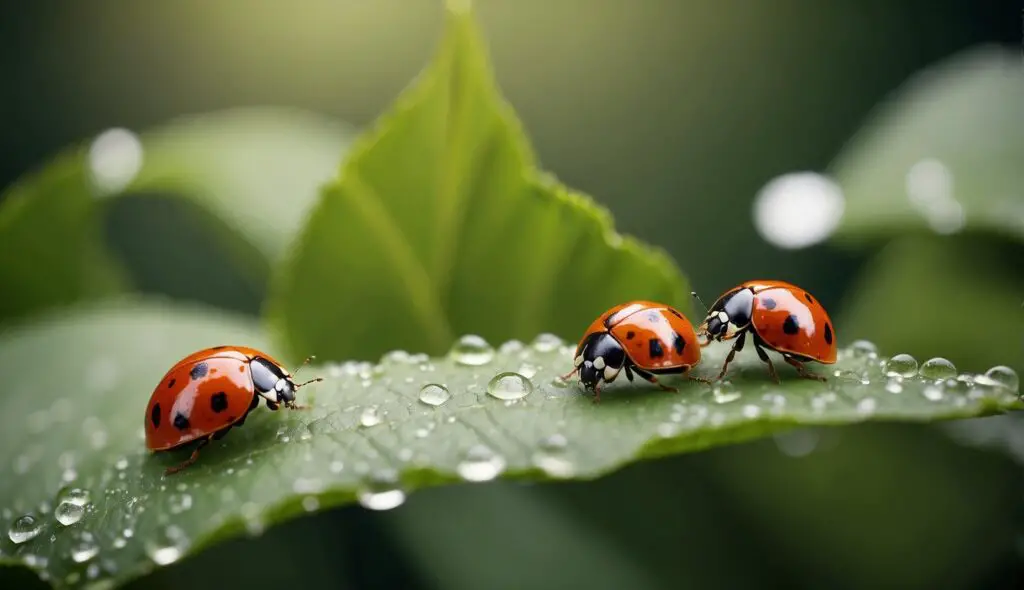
(932, 393)
(434, 394)
(555, 442)
(120, 542)
(559, 382)
(24, 529)
(851, 376)
(180, 503)
(863, 349)
(723, 393)
(546, 342)
(121, 464)
(480, 464)
(396, 357)
(1004, 376)
(750, 411)
(937, 368)
(798, 209)
(68, 514)
(115, 158)
(867, 405)
(167, 546)
(551, 457)
(336, 466)
(894, 385)
(369, 417)
(509, 386)
(527, 370)
(84, 550)
(471, 350)
(798, 443)
(510, 347)
(381, 491)
(901, 365)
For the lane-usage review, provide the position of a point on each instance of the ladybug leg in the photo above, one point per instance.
(764, 357)
(629, 373)
(272, 405)
(191, 459)
(650, 377)
(738, 346)
(803, 370)
(569, 374)
(704, 380)
(597, 393)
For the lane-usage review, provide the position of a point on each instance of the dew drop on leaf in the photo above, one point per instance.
(24, 529)
(509, 386)
(546, 342)
(381, 491)
(863, 349)
(471, 350)
(84, 550)
(434, 394)
(901, 365)
(68, 513)
(369, 417)
(867, 406)
(933, 393)
(894, 385)
(168, 545)
(1004, 376)
(937, 368)
(724, 392)
(480, 464)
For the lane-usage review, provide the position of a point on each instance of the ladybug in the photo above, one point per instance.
(779, 316)
(208, 392)
(639, 337)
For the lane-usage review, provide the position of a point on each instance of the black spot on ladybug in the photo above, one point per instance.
(791, 326)
(676, 313)
(219, 402)
(630, 335)
(768, 303)
(171, 383)
(807, 296)
(199, 371)
(828, 333)
(180, 421)
(154, 415)
(218, 348)
(654, 348)
(678, 343)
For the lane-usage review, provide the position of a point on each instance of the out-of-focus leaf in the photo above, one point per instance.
(255, 170)
(440, 226)
(86, 503)
(944, 153)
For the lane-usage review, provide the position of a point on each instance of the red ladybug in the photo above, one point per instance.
(639, 337)
(781, 317)
(210, 391)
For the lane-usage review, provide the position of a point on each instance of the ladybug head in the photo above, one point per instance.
(600, 360)
(272, 382)
(727, 317)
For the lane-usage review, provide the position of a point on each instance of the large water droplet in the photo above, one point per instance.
(937, 368)
(509, 386)
(68, 514)
(480, 464)
(546, 342)
(115, 158)
(167, 546)
(434, 394)
(381, 491)
(1004, 376)
(798, 209)
(369, 417)
(901, 365)
(867, 405)
(471, 350)
(24, 529)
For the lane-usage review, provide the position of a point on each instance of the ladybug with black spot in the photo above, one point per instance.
(210, 391)
(641, 337)
(778, 316)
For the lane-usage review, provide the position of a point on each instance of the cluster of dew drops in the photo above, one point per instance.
(381, 489)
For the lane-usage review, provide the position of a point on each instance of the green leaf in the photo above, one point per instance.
(77, 386)
(440, 225)
(255, 171)
(945, 152)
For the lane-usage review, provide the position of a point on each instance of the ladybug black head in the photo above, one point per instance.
(601, 359)
(271, 382)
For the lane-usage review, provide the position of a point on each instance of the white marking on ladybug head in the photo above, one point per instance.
(599, 363)
(723, 317)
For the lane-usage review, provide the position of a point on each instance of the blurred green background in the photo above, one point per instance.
(673, 114)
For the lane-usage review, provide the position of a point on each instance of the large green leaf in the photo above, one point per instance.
(254, 171)
(944, 153)
(77, 386)
(440, 226)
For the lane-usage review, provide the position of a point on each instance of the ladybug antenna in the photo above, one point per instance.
(697, 297)
(304, 363)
